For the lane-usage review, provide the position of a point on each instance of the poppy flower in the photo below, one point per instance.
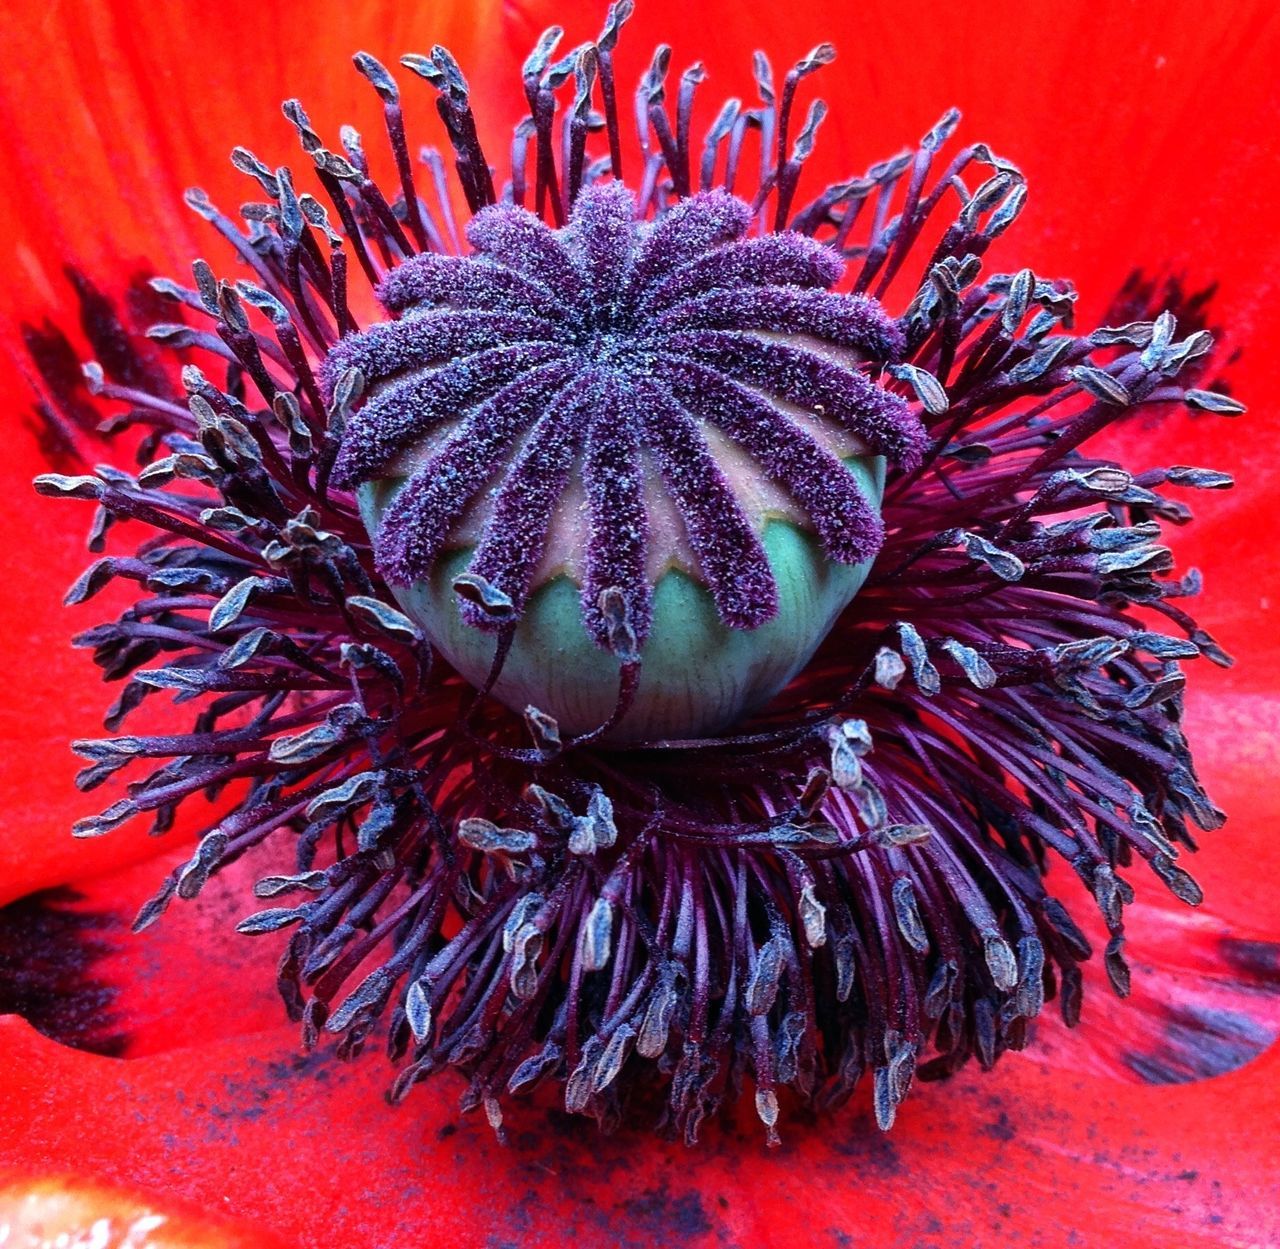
(859, 880)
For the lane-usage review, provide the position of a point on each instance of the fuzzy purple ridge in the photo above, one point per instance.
(600, 347)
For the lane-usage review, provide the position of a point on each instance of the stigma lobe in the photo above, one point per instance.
(616, 403)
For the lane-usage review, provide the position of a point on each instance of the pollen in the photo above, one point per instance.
(614, 400)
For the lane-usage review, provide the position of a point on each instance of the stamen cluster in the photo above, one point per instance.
(854, 882)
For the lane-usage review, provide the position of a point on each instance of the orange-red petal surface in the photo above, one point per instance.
(1146, 137)
(1028, 1156)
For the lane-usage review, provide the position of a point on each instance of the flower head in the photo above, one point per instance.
(649, 397)
(852, 882)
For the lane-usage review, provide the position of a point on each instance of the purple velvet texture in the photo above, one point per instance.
(604, 347)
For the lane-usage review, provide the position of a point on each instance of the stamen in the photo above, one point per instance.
(618, 402)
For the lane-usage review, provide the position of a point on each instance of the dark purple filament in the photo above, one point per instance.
(853, 884)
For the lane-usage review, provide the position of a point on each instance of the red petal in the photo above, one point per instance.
(308, 1149)
(111, 112)
(1206, 981)
(73, 967)
(1167, 164)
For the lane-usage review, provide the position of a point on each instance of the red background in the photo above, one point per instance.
(1147, 135)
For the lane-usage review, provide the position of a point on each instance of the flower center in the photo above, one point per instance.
(614, 402)
(611, 347)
